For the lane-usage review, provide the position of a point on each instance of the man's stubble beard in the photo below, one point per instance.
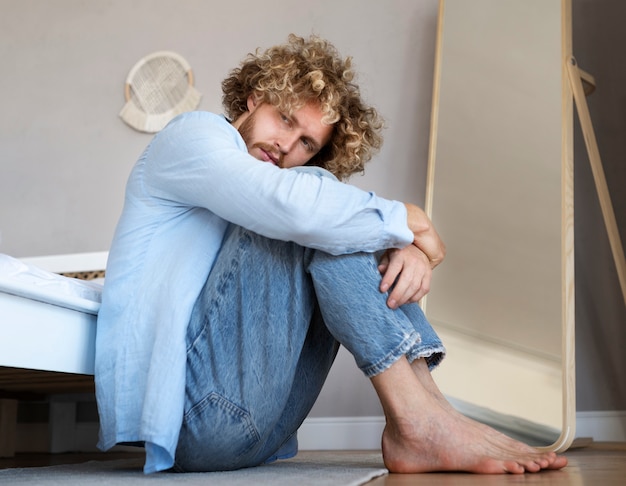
(246, 130)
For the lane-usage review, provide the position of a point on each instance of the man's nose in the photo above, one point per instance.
(286, 142)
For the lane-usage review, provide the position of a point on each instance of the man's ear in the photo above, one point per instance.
(252, 103)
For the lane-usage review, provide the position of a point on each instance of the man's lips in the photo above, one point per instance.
(268, 154)
(269, 157)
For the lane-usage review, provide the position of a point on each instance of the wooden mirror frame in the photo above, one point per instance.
(435, 192)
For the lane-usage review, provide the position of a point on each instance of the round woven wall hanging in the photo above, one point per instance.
(158, 87)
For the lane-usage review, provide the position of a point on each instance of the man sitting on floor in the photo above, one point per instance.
(241, 261)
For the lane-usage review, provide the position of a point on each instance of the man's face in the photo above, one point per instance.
(282, 139)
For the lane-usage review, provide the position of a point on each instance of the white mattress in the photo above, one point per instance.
(47, 321)
(29, 281)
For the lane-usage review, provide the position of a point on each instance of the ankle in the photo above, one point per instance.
(399, 391)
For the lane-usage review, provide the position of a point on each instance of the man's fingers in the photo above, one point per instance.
(406, 274)
(390, 270)
(409, 290)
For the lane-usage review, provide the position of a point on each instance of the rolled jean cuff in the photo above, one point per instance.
(411, 341)
(432, 353)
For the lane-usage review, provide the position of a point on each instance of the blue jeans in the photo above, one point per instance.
(263, 336)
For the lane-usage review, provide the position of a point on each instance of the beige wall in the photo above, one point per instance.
(65, 154)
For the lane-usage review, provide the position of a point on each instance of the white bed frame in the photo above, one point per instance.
(40, 331)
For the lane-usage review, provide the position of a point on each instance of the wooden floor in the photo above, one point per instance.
(601, 464)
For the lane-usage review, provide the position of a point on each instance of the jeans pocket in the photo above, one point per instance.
(216, 435)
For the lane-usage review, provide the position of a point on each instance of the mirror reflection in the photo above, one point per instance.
(499, 193)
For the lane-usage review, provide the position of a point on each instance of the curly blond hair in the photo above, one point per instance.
(303, 70)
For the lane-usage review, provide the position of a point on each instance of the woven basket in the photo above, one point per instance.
(158, 87)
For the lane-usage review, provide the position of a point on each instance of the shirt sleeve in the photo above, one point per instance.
(200, 160)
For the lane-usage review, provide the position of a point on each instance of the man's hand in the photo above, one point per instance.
(408, 271)
(425, 235)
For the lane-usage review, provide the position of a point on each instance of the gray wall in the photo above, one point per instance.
(65, 154)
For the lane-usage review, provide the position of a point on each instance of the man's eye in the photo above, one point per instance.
(307, 144)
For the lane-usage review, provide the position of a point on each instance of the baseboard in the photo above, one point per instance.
(341, 433)
(329, 433)
(363, 433)
(608, 426)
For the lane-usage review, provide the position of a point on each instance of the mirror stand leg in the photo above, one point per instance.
(576, 82)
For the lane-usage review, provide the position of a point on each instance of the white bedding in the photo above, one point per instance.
(47, 321)
(29, 281)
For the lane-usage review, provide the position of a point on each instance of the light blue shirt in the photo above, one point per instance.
(191, 181)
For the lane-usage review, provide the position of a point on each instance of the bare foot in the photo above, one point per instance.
(425, 434)
(423, 374)
(440, 441)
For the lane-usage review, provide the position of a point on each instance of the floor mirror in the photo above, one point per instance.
(500, 193)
